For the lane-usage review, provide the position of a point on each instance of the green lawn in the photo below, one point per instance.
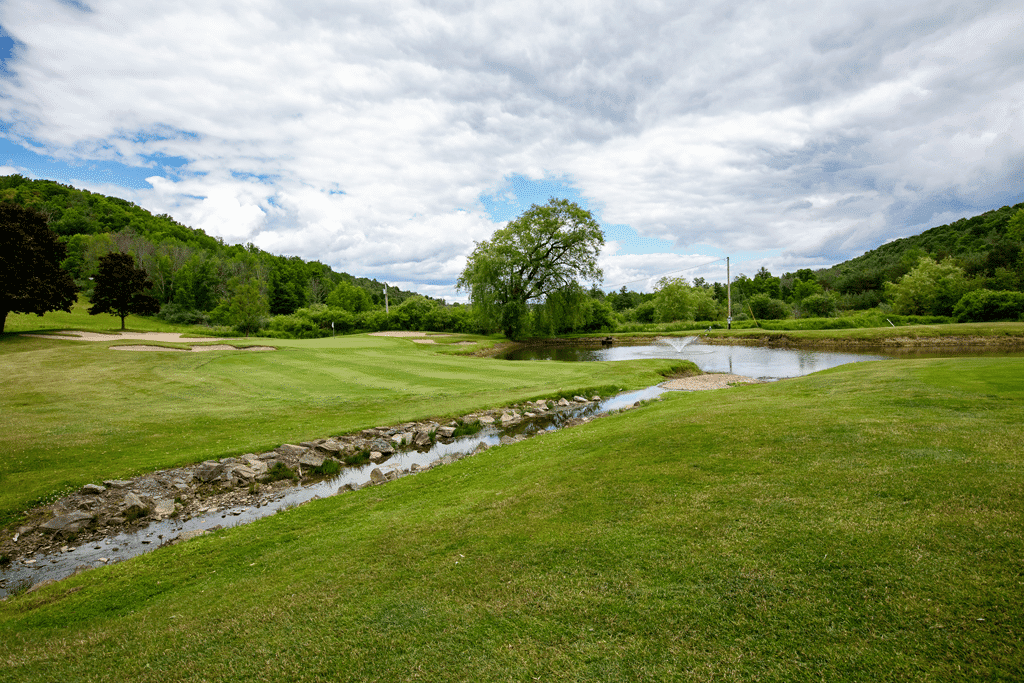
(78, 412)
(860, 524)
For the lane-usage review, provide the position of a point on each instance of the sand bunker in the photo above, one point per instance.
(406, 333)
(174, 337)
(708, 382)
(194, 349)
(75, 335)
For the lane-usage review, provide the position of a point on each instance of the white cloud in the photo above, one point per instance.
(363, 134)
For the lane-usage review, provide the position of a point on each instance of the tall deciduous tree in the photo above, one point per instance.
(541, 251)
(31, 279)
(121, 288)
(248, 306)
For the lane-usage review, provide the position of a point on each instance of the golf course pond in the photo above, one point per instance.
(760, 362)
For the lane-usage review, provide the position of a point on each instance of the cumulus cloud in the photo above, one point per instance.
(364, 134)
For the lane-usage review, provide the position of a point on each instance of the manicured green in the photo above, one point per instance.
(78, 412)
(860, 524)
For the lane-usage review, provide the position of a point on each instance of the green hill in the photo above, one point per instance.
(189, 268)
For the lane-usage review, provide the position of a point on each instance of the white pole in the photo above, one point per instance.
(387, 309)
(728, 289)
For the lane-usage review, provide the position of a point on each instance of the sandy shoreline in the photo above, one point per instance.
(708, 382)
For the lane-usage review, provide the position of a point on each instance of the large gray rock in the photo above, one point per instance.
(580, 399)
(93, 489)
(422, 438)
(69, 523)
(209, 471)
(117, 483)
(291, 450)
(241, 472)
(486, 420)
(445, 432)
(134, 504)
(331, 448)
(382, 446)
(311, 459)
(508, 418)
(563, 402)
(376, 476)
(259, 467)
(163, 507)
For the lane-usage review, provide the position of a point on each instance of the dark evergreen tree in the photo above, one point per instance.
(31, 279)
(121, 288)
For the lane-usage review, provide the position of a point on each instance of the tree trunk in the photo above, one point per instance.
(3, 319)
(122, 323)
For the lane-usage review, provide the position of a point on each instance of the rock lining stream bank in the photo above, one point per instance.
(111, 521)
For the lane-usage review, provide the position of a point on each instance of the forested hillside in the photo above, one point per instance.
(986, 246)
(970, 270)
(196, 277)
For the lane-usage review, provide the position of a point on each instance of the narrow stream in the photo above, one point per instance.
(43, 567)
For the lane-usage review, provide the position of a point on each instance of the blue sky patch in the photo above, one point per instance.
(36, 165)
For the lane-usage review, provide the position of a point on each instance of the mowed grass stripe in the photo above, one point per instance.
(77, 412)
(819, 528)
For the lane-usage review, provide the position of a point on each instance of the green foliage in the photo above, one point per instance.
(983, 305)
(348, 297)
(463, 428)
(673, 300)
(1015, 226)
(928, 289)
(819, 305)
(31, 279)
(571, 310)
(186, 267)
(358, 458)
(764, 307)
(538, 253)
(121, 288)
(280, 471)
(247, 305)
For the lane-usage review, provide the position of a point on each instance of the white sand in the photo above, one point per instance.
(708, 382)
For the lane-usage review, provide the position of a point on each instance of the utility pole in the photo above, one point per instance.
(728, 289)
(387, 310)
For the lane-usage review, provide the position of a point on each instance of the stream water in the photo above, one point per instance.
(42, 567)
(751, 361)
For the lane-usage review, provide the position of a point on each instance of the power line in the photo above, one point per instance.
(673, 272)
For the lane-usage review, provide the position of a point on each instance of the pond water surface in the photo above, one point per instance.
(751, 361)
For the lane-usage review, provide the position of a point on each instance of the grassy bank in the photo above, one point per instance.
(863, 523)
(78, 412)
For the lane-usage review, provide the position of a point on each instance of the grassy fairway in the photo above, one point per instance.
(77, 412)
(860, 524)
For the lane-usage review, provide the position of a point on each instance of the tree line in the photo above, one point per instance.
(526, 281)
(198, 279)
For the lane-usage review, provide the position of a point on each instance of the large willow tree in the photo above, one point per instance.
(546, 248)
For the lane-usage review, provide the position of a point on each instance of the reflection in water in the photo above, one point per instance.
(751, 361)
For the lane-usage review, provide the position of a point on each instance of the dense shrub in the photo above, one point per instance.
(766, 308)
(983, 305)
(180, 315)
(818, 305)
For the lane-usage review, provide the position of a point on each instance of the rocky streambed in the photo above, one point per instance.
(113, 520)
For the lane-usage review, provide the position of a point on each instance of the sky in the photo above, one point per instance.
(386, 138)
